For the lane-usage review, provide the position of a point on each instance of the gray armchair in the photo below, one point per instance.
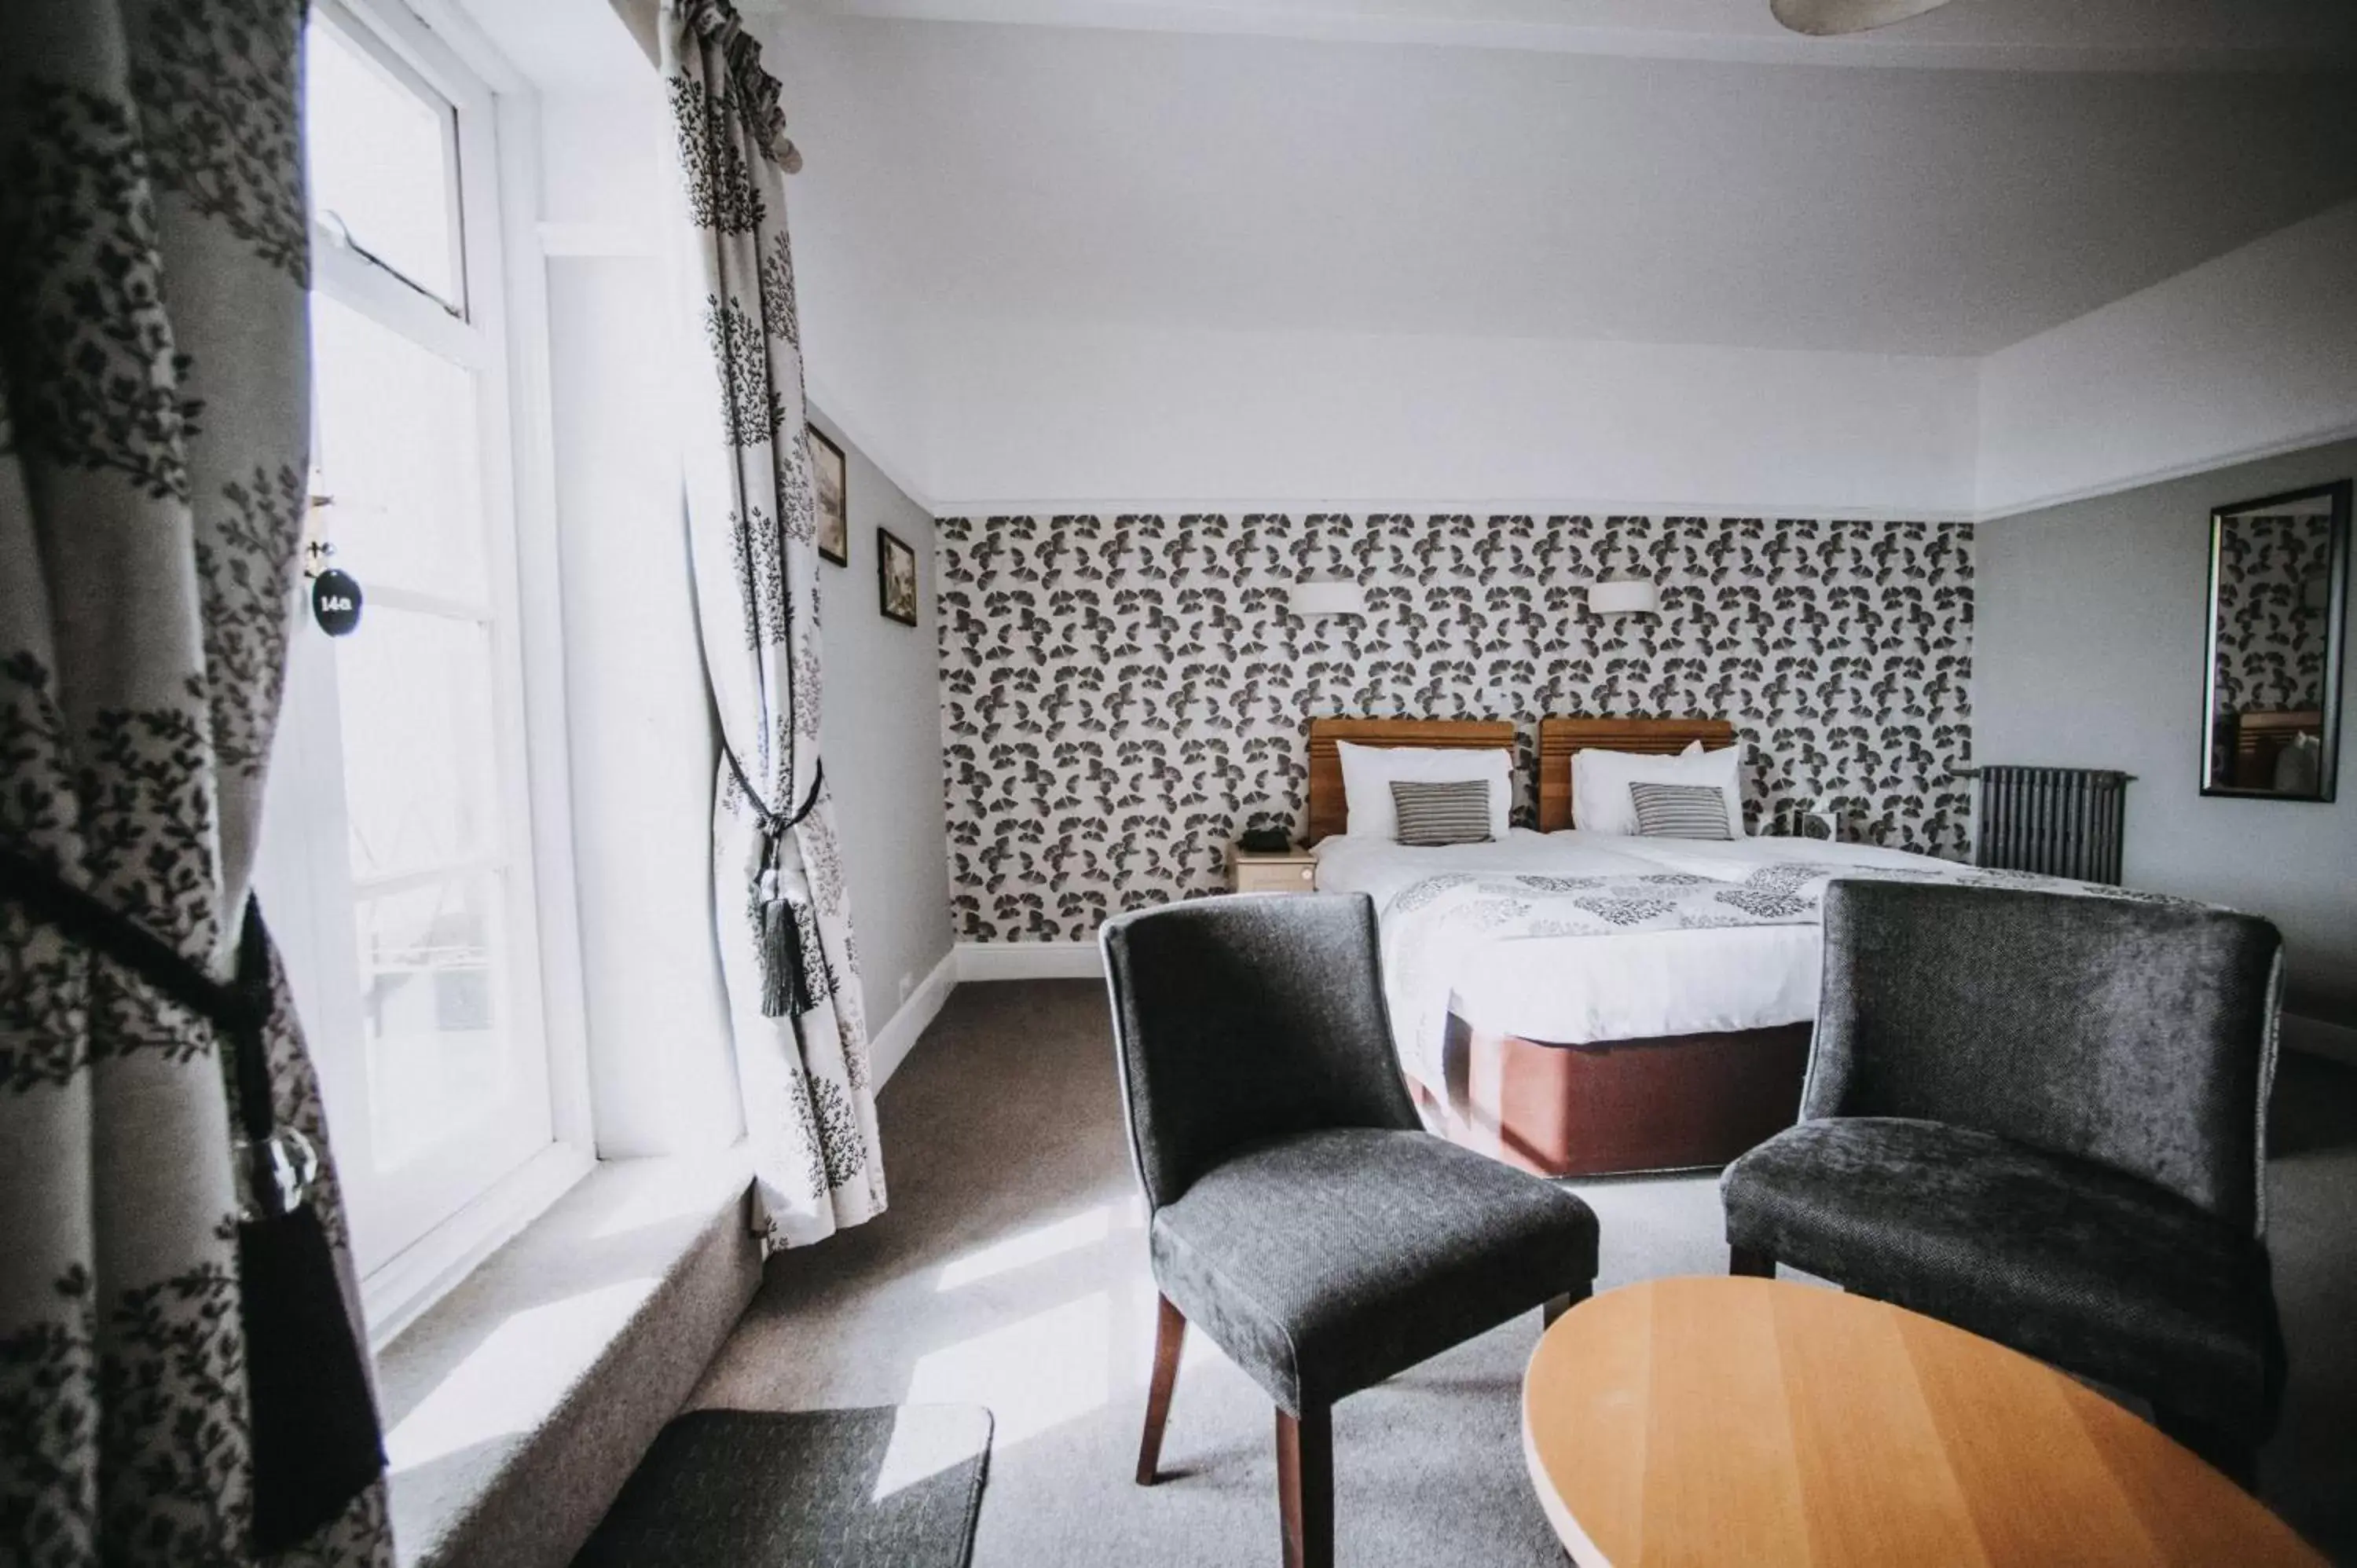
(2043, 1118)
(1299, 1214)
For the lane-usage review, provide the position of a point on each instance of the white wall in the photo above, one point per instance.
(1026, 416)
(643, 746)
(599, 163)
(881, 731)
(642, 738)
(2247, 355)
(2087, 654)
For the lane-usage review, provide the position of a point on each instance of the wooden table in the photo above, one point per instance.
(1712, 1421)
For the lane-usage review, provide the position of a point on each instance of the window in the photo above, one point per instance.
(397, 860)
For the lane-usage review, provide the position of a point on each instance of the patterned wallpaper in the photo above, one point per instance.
(2270, 643)
(1120, 695)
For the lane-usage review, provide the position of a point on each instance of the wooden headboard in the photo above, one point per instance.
(1558, 738)
(1327, 814)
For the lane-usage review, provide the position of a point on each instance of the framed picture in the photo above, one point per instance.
(896, 577)
(832, 483)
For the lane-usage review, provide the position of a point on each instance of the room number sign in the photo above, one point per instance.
(336, 601)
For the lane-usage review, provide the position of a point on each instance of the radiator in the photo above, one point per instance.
(2056, 821)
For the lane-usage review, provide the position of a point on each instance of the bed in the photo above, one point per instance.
(1579, 1003)
(1578, 1054)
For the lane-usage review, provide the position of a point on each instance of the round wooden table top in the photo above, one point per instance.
(1711, 1421)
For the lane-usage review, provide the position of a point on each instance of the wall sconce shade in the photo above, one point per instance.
(1311, 599)
(1634, 598)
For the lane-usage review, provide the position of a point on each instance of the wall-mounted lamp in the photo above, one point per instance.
(1636, 597)
(1329, 598)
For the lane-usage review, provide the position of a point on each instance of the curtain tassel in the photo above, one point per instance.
(785, 974)
(313, 1423)
(785, 936)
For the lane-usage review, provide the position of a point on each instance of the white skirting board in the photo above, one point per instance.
(2319, 1038)
(890, 1045)
(1028, 961)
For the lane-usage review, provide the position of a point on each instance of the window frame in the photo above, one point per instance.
(499, 334)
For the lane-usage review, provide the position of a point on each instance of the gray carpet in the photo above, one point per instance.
(1011, 1273)
(884, 1488)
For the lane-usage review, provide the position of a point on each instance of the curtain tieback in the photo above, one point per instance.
(785, 927)
(313, 1420)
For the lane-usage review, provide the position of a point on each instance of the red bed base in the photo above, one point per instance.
(1616, 1107)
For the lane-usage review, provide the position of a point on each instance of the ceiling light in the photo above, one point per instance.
(1824, 16)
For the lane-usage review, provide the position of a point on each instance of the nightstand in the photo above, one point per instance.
(1274, 870)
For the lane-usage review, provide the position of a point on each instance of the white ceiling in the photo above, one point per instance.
(1205, 179)
(2035, 34)
(557, 46)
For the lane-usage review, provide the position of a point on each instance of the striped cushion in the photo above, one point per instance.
(1680, 810)
(1433, 814)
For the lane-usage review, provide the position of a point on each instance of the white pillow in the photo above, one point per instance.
(1600, 803)
(1368, 772)
(1599, 785)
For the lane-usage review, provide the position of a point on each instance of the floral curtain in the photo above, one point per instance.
(154, 439)
(784, 920)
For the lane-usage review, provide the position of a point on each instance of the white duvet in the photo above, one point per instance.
(1637, 985)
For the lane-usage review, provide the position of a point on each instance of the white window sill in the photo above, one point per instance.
(408, 1284)
(516, 1404)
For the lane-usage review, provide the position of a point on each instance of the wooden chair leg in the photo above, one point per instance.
(1170, 1333)
(1558, 1305)
(1305, 1486)
(1754, 1266)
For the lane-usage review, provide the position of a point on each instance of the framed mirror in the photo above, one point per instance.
(2271, 686)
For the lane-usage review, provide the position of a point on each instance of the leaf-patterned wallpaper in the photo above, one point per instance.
(1121, 695)
(2271, 642)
